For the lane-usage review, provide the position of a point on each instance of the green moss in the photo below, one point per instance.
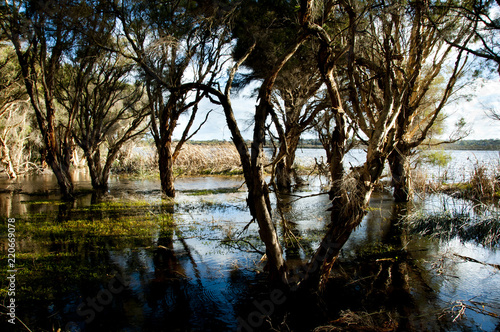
(44, 202)
(377, 250)
(204, 192)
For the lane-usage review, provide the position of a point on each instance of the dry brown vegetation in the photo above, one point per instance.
(483, 184)
(194, 159)
(208, 159)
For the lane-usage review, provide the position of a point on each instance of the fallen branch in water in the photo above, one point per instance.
(459, 308)
(476, 261)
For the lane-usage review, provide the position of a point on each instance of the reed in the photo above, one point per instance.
(482, 229)
(193, 159)
(482, 184)
(197, 159)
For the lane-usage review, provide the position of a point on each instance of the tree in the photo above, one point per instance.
(425, 56)
(253, 161)
(272, 25)
(14, 112)
(172, 42)
(482, 18)
(295, 109)
(41, 37)
(381, 77)
(109, 110)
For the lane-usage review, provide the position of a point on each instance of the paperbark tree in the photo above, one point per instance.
(41, 37)
(14, 124)
(109, 111)
(378, 88)
(253, 161)
(172, 42)
(293, 113)
(272, 26)
(425, 56)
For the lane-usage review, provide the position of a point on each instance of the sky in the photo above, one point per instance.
(486, 94)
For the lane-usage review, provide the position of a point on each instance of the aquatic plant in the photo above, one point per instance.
(483, 183)
(482, 229)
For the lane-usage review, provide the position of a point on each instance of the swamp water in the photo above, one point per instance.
(135, 262)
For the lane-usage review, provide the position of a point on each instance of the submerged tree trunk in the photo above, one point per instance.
(94, 165)
(63, 177)
(284, 172)
(348, 211)
(166, 164)
(60, 163)
(401, 177)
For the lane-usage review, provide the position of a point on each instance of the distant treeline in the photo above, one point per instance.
(482, 144)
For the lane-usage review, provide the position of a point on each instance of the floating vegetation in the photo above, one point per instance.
(131, 219)
(203, 192)
(45, 202)
(481, 229)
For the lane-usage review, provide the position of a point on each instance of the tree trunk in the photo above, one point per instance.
(284, 168)
(283, 178)
(94, 164)
(166, 164)
(258, 196)
(63, 177)
(6, 160)
(401, 177)
(347, 214)
(59, 162)
(348, 211)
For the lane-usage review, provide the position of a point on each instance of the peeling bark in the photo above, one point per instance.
(6, 160)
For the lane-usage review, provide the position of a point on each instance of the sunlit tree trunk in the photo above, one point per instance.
(349, 208)
(40, 64)
(7, 160)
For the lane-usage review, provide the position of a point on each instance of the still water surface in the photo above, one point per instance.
(140, 263)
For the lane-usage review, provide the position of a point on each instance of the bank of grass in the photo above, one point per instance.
(194, 159)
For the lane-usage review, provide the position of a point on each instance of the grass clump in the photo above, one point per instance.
(447, 225)
(482, 183)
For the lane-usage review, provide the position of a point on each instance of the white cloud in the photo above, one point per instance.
(486, 96)
(216, 126)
